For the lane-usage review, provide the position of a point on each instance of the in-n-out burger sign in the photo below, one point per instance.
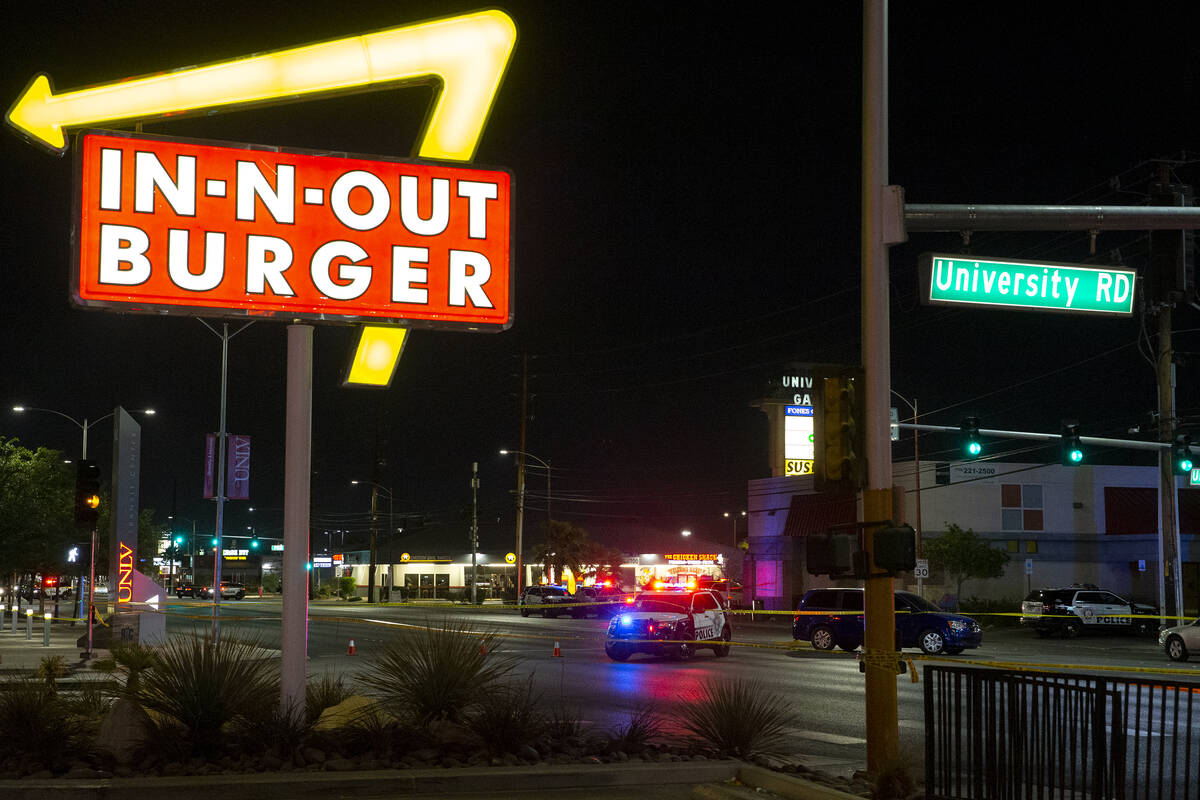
(181, 226)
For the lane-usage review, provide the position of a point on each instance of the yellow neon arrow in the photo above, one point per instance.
(469, 53)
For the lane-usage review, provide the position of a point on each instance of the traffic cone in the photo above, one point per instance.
(557, 650)
(483, 647)
(351, 651)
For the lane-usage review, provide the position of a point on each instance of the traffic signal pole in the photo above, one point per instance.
(882, 726)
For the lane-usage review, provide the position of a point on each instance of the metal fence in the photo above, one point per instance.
(1004, 735)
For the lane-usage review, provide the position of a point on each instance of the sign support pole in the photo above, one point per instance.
(882, 713)
(296, 494)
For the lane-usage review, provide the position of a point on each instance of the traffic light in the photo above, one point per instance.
(842, 464)
(1072, 448)
(838, 554)
(972, 447)
(214, 541)
(253, 540)
(1181, 455)
(87, 493)
(178, 541)
(896, 548)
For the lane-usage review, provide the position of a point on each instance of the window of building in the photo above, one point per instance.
(1013, 546)
(1021, 507)
(1130, 510)
(1030, 545)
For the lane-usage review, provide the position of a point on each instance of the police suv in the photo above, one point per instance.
(1071, 610)
(673, 624)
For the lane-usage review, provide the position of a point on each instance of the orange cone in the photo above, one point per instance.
(557, 650)
(482, 647)
(351, 651)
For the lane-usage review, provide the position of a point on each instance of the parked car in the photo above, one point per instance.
(829, 618)
(229, 591)
(1071, 610)
(603, 601)
(185, 590)
(1181, 641)
(551, 601)
(673, 624)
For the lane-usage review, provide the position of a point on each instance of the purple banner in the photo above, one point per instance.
(238, 468)
(210, 466)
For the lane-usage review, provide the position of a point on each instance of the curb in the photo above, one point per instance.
(789, 786)
(391, 783)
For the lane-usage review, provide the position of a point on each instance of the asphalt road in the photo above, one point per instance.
(825, 689)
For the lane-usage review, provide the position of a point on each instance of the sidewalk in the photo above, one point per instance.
(712, 780)
(18, 654)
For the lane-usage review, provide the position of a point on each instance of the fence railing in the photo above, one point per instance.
(1004, 735)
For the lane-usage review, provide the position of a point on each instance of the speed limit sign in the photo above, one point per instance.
(922, 570)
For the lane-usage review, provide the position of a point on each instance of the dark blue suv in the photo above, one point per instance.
(834, 617)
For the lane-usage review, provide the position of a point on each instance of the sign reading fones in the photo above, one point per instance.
(197, 228)
(1026, 285)
(798, 440)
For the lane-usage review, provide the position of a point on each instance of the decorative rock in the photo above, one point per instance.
(340, 765)
(528, 753)
(313, 756)
(123, 730)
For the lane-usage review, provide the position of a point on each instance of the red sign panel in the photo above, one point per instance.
(198, 228)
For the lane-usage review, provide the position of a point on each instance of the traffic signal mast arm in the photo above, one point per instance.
(1128, 444)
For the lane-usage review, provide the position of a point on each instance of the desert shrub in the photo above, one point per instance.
(37, 726)
(131, 659)
(322, 693)
(347, 586)
(508, 717)
(264, 726)
(436, 672)
(563, 721)
(201, 686)
(270, 582)
(50, 669)
(643, 726)
(738, 718)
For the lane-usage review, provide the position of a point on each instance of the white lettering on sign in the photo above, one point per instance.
(201, 225)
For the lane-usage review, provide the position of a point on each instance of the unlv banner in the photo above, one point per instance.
(237, 467)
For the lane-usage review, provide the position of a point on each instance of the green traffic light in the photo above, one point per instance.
(215, 541)
(1075, 455)
(974, 448)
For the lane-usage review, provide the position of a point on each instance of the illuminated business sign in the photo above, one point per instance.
(322, 562)
(798, 443)
(1194, 477)
(196, 228)
(692, 558)
(950, 280)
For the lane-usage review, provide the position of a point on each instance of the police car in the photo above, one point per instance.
(1071, 610)
(667, 623)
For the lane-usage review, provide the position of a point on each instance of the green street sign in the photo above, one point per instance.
(952, 280)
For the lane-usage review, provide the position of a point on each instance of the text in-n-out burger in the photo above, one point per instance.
(199, 228)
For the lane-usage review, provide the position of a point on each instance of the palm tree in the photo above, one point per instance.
(559, 544)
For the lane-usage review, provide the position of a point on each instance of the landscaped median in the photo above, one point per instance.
(442, 704)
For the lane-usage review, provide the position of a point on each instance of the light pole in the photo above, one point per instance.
(521, 456)
(734, 518)
(375, 490)
(85, 425)
(917, 470)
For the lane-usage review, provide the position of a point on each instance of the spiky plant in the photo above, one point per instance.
(738, 718)
(36, 725)
(508, 717)
(322, 693)
(201, 686)
(50, 669)
(643, 726)
(436, 672)
(133, 659)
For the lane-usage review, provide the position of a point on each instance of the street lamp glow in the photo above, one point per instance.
(685, 533)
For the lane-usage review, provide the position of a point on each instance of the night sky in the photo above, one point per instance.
(686, 223)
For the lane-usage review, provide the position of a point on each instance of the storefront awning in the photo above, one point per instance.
(813, 513)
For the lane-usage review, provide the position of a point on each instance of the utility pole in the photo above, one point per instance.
(1167, 282)
(371, 568)
(474, 528)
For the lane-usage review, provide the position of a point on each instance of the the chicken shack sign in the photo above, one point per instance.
(181, 226)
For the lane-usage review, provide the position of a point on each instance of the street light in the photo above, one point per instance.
(521, 456)
(375, 490)
(734, 518)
